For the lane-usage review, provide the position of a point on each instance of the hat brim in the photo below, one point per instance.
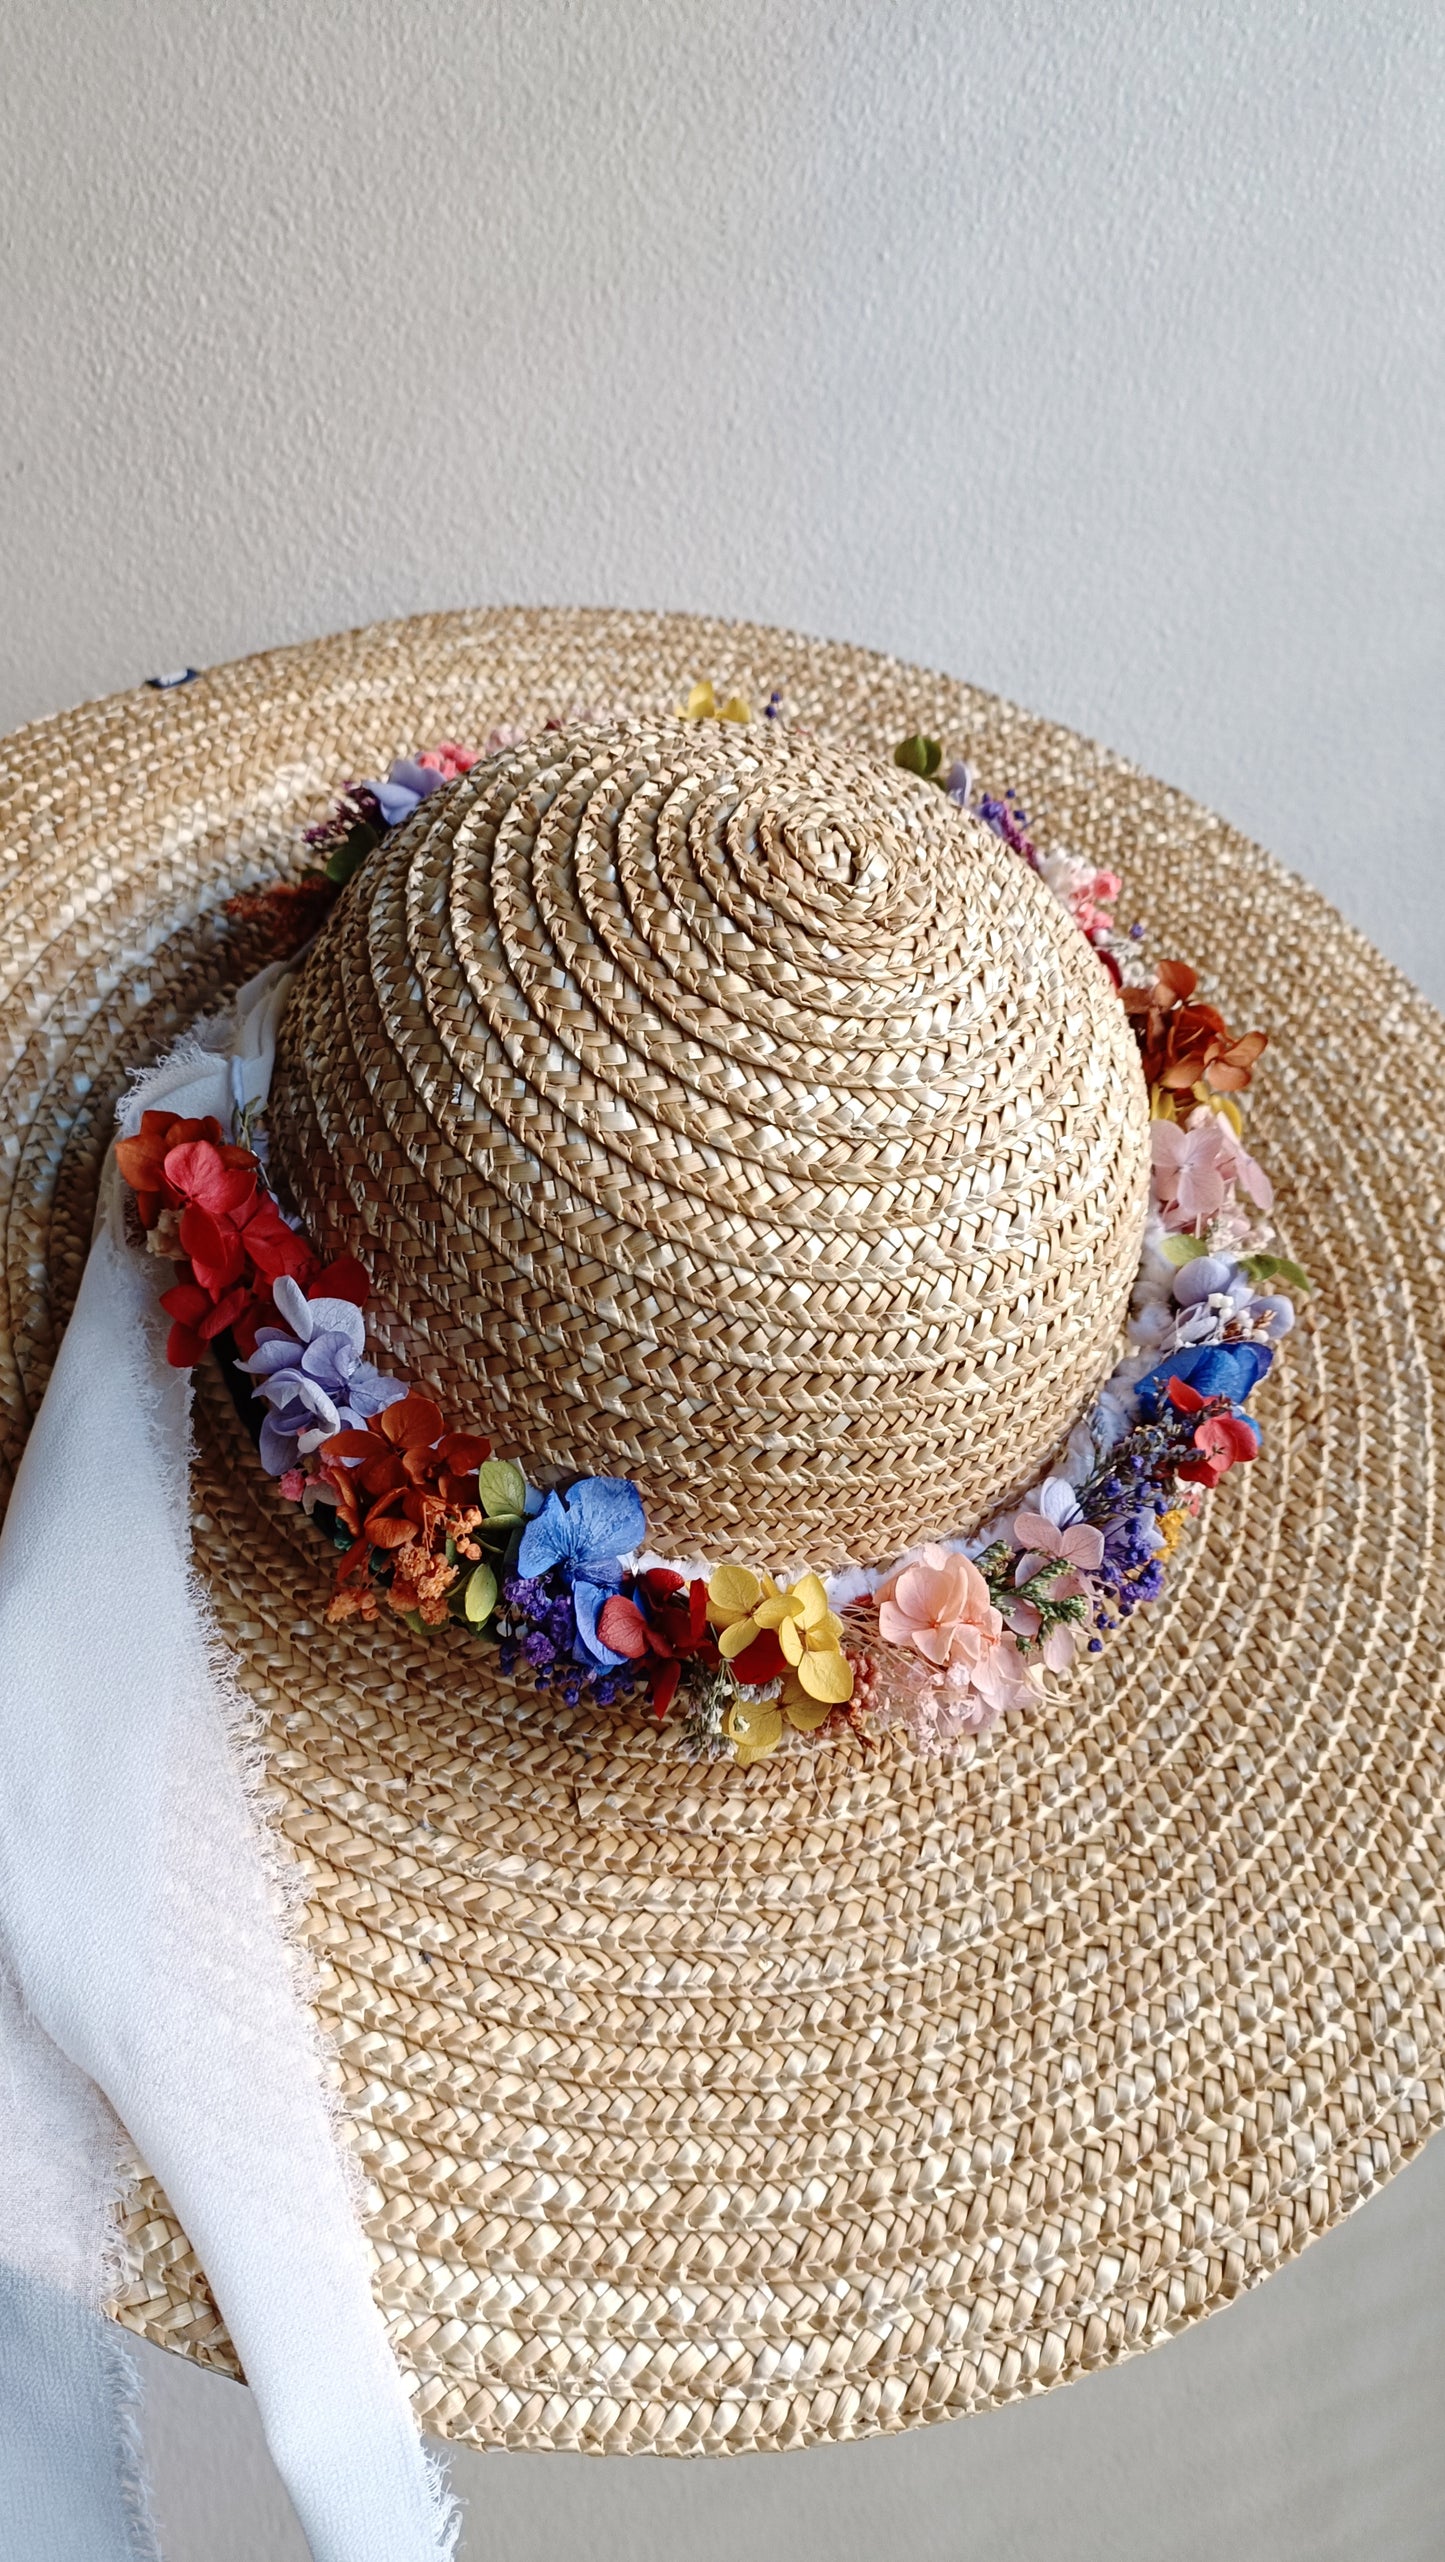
(705, 2110)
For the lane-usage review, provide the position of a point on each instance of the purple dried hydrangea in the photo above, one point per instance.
(311, 1375)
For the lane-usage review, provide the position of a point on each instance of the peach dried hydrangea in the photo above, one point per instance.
(1053, 1530)
(938, 1608)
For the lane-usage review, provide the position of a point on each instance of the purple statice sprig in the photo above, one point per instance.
(1125, 1498)
(1123, 1501)
(1009, 820)
(536, 1622)
(351, 831)
(1007, 817)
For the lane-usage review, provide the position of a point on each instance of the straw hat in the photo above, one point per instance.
(729, 1113)
(703, 2109)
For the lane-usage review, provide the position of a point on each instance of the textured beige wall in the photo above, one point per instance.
(1092, 350)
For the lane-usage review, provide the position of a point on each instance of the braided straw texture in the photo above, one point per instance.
(702, 2109)
(729, 1114)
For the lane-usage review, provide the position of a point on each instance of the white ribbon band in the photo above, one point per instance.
(140, 1906)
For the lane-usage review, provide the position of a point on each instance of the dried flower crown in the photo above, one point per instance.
(432, 1527)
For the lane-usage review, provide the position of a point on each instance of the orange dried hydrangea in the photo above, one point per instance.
(405, 1484)
(1183, 1046)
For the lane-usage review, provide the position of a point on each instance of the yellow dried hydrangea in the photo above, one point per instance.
(771, 1634)
(754, 1728)
(702, 705)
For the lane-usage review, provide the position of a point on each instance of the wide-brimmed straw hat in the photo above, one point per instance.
(703, 2108)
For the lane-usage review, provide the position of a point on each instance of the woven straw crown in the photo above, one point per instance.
(730, 1113)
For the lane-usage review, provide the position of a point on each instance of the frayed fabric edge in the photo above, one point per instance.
(446, 2507)
(121, 2377)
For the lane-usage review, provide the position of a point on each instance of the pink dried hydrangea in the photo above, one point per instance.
(952, 1665)
(1197, 1167)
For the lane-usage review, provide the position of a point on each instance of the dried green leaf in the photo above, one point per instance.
(481, 1594)
(502, 1489)
(1276, 1267)
(347, 858)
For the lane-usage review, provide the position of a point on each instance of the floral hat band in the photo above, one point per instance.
(731, 1219)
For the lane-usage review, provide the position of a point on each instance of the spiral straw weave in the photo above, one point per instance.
(704, 2110)
(731, 1115)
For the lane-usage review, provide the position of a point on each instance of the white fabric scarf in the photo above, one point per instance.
(147, 1956)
